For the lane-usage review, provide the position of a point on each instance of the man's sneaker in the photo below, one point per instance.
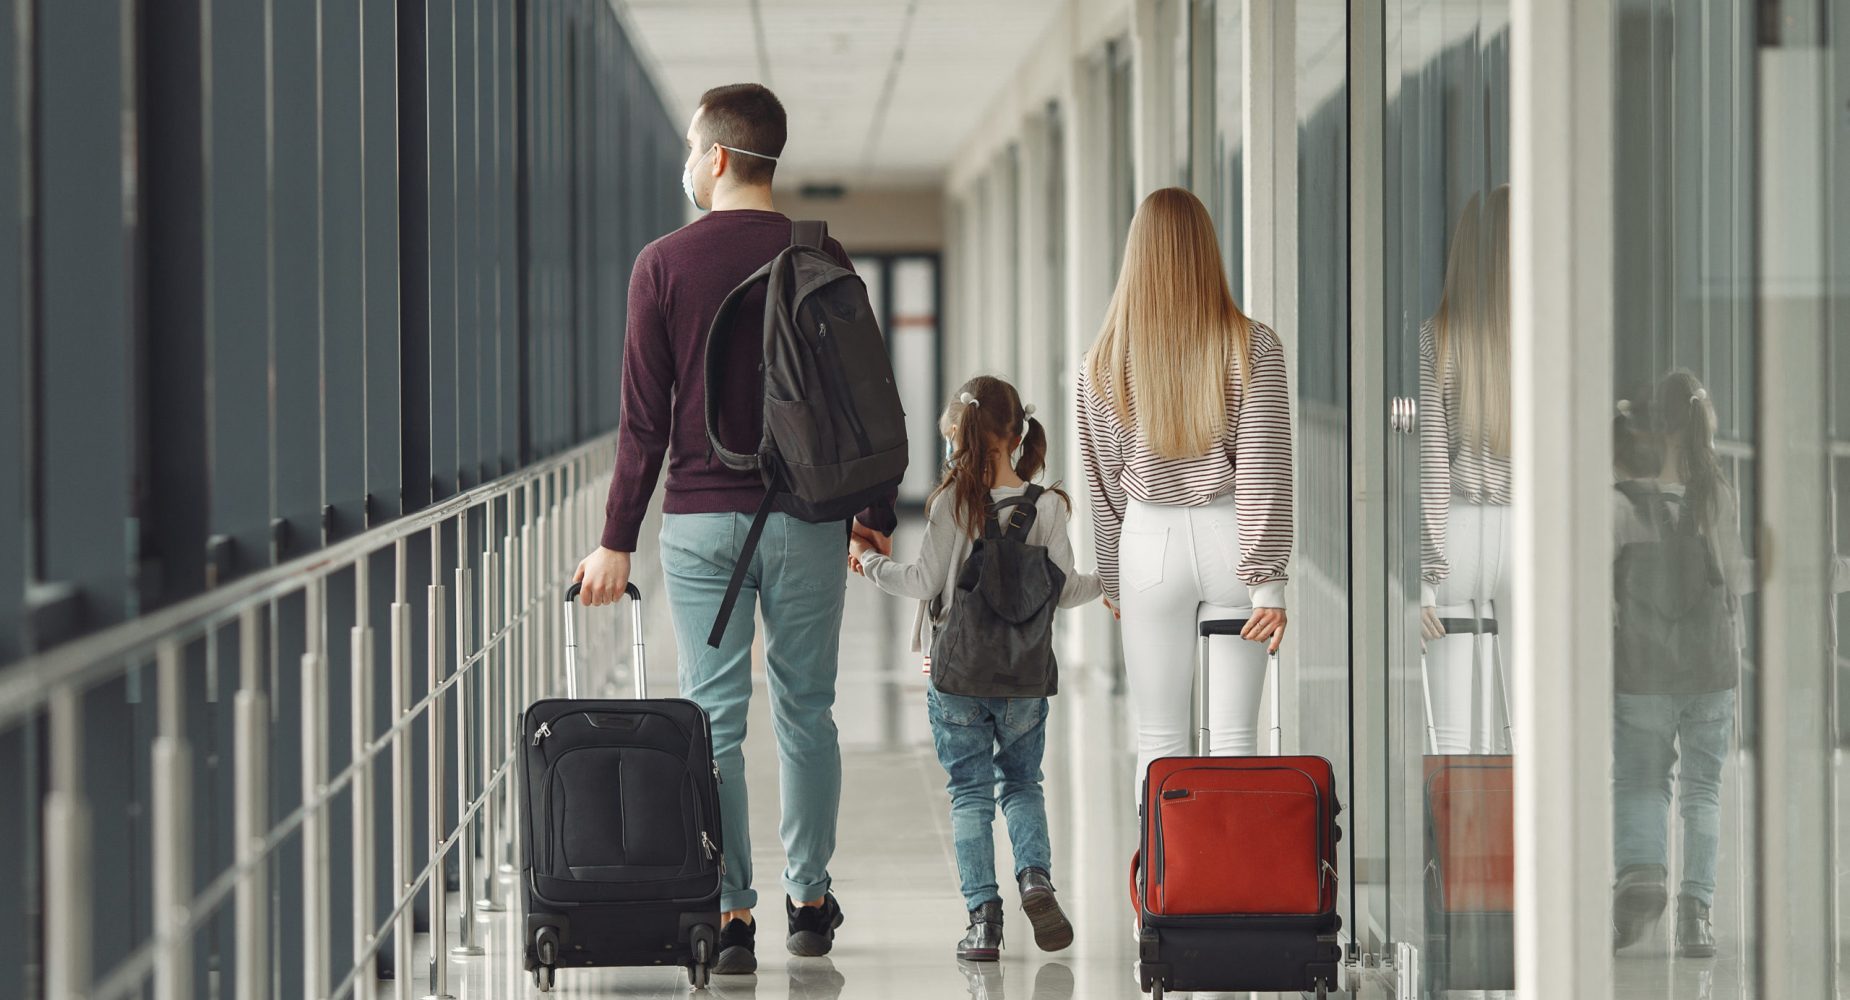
(983, 941)
(1638, 899)
(1695, 936)
(1052, 931)
(812, 928)
(738, 949)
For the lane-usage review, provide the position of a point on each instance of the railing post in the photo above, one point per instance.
(364, 841)
(315, 932)
(402, 780)
(438, 895)
(492, 822)
(466, 757)
(251, 804)
(67, 853)
(173, 835)
(511, 690)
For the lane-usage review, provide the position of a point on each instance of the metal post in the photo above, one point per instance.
(510, 689)
(466, 757)
(364, 910)
(490, 899)
(251, 778)
(173, 840)
(1201, 700)
(402, 781)
(315, 943)
(67, 853)
(437, 888)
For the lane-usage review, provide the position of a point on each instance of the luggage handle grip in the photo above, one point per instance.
(639, 661)
(1233, 627)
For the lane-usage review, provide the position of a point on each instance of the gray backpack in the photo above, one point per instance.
(1674, 631)
(997, 641)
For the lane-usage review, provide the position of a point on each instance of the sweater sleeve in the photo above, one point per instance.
(922, 579)
(1104, 464)
(1081, 588)
(1435, 472)
(647, 409)
(1262, 488)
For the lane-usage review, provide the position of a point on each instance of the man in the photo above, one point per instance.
(798, 574)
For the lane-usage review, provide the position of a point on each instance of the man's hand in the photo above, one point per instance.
(880, 543)
(1266, 623)
(605, 574)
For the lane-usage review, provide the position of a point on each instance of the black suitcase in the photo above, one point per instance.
(1295, 952)
(620, 827)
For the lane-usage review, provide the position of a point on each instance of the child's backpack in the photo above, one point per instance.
(997, 641)
(1674, 630)
(834, 438)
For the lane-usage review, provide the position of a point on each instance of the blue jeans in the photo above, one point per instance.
(798, 578)
(1648, 731)
(984, 743)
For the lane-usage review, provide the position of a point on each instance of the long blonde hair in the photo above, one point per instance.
(1173, 318)
(1471, 328)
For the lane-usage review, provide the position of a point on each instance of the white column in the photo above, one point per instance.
(1561, 346)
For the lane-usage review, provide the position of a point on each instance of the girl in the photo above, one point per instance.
(1185, 428)
(985, 741)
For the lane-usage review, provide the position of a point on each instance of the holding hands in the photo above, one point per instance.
(863, 539)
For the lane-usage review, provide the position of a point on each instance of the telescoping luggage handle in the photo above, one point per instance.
(1233, 627)
(571, 641)
(1481, 625)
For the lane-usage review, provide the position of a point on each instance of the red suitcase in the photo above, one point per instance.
(1240, 889)
(1470, 844)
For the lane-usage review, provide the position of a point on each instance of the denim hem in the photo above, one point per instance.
(800, 892)
(738, 899)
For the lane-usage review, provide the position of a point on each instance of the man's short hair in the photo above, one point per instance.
(745, 116)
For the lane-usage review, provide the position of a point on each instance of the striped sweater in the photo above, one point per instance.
(1449, 469)
(1253, 463)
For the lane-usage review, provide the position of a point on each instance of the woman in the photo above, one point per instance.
(1185, 430)
(1464, 423)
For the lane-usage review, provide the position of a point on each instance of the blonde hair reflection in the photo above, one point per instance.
(1471, 328)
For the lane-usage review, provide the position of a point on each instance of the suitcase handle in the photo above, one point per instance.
(1482, 623)
(571, 640)
(1233, 627)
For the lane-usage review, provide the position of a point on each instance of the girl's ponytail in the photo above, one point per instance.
(1033, 450)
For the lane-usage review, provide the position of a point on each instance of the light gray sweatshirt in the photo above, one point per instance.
(946, 546)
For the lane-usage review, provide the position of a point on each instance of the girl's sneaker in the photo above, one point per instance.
(1052, 931)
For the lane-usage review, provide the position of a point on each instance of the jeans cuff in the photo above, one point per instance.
(738, 899)
(803, 892)
(977, 901)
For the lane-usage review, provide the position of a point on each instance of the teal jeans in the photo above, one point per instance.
(798, 580)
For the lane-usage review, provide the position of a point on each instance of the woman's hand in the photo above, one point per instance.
(1266, 624)
(1113, 608)
(1431, 627)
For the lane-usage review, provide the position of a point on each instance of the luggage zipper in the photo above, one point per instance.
(706, 845)
(541, 733)
(843, 400)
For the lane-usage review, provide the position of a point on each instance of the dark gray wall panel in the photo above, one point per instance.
(14, 381)
(343, 248)
(414, 256)
(510, 197)
(379, 194)
(440, 124)
(468, 244)
(296, 210)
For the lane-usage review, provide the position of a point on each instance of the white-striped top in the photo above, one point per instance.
(1253, 463)
(1449, 469)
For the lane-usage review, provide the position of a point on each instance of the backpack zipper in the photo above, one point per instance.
(840, 394)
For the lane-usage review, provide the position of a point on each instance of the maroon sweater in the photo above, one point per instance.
(676, 288)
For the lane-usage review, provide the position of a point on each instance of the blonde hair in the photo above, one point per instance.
(1471, 328)
(1173, 318)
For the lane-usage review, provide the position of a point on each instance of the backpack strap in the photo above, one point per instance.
(1022, 512)
(718, 340)
(737, 581)
(809, 233)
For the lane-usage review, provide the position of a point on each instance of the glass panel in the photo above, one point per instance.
(1119, 139)
(912, 334)
(1219, 184)
(1684, 449)
(1449, 905)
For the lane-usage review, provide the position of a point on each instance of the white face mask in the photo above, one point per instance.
(687, 180)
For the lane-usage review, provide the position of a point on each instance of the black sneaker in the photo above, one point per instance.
(982, 942)
(1695, 935)
(1052, 931)
(812, 928)
(1638, 898)
(738, 949)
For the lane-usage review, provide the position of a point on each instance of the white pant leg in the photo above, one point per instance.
(1158, 599)
(1236, 679)
(1467, 711)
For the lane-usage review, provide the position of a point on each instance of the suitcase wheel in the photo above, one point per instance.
(700, 972)
(1156, 990)
(546, 951)
(542, 979)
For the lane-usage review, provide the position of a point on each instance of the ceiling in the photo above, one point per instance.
(879, 92)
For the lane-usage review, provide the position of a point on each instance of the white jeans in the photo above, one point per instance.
(1176, 568)
(1467, 707)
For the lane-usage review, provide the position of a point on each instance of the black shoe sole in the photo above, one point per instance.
(1052, 931)
(979, 954)
(1635, 909)
(737, 960)
(1696, 951)
(812, 944)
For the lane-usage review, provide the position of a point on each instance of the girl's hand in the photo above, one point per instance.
(1115, 613)
(854, 564)
(1266, 623)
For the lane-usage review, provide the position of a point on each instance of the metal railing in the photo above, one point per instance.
(490, 644)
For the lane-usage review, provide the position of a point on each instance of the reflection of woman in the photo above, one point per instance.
(1185, 429)
(1464, 421)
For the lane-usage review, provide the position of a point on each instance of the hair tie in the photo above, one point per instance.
(967, 399)
(1699, 396)
(1625, 408)
(1027, 411)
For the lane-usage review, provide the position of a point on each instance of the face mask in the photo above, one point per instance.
(687, 180)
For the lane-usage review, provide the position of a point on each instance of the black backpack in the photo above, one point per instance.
(834, 438)
(1674, 630)
(997, 641)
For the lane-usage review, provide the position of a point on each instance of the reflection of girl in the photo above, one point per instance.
(1464, 422)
